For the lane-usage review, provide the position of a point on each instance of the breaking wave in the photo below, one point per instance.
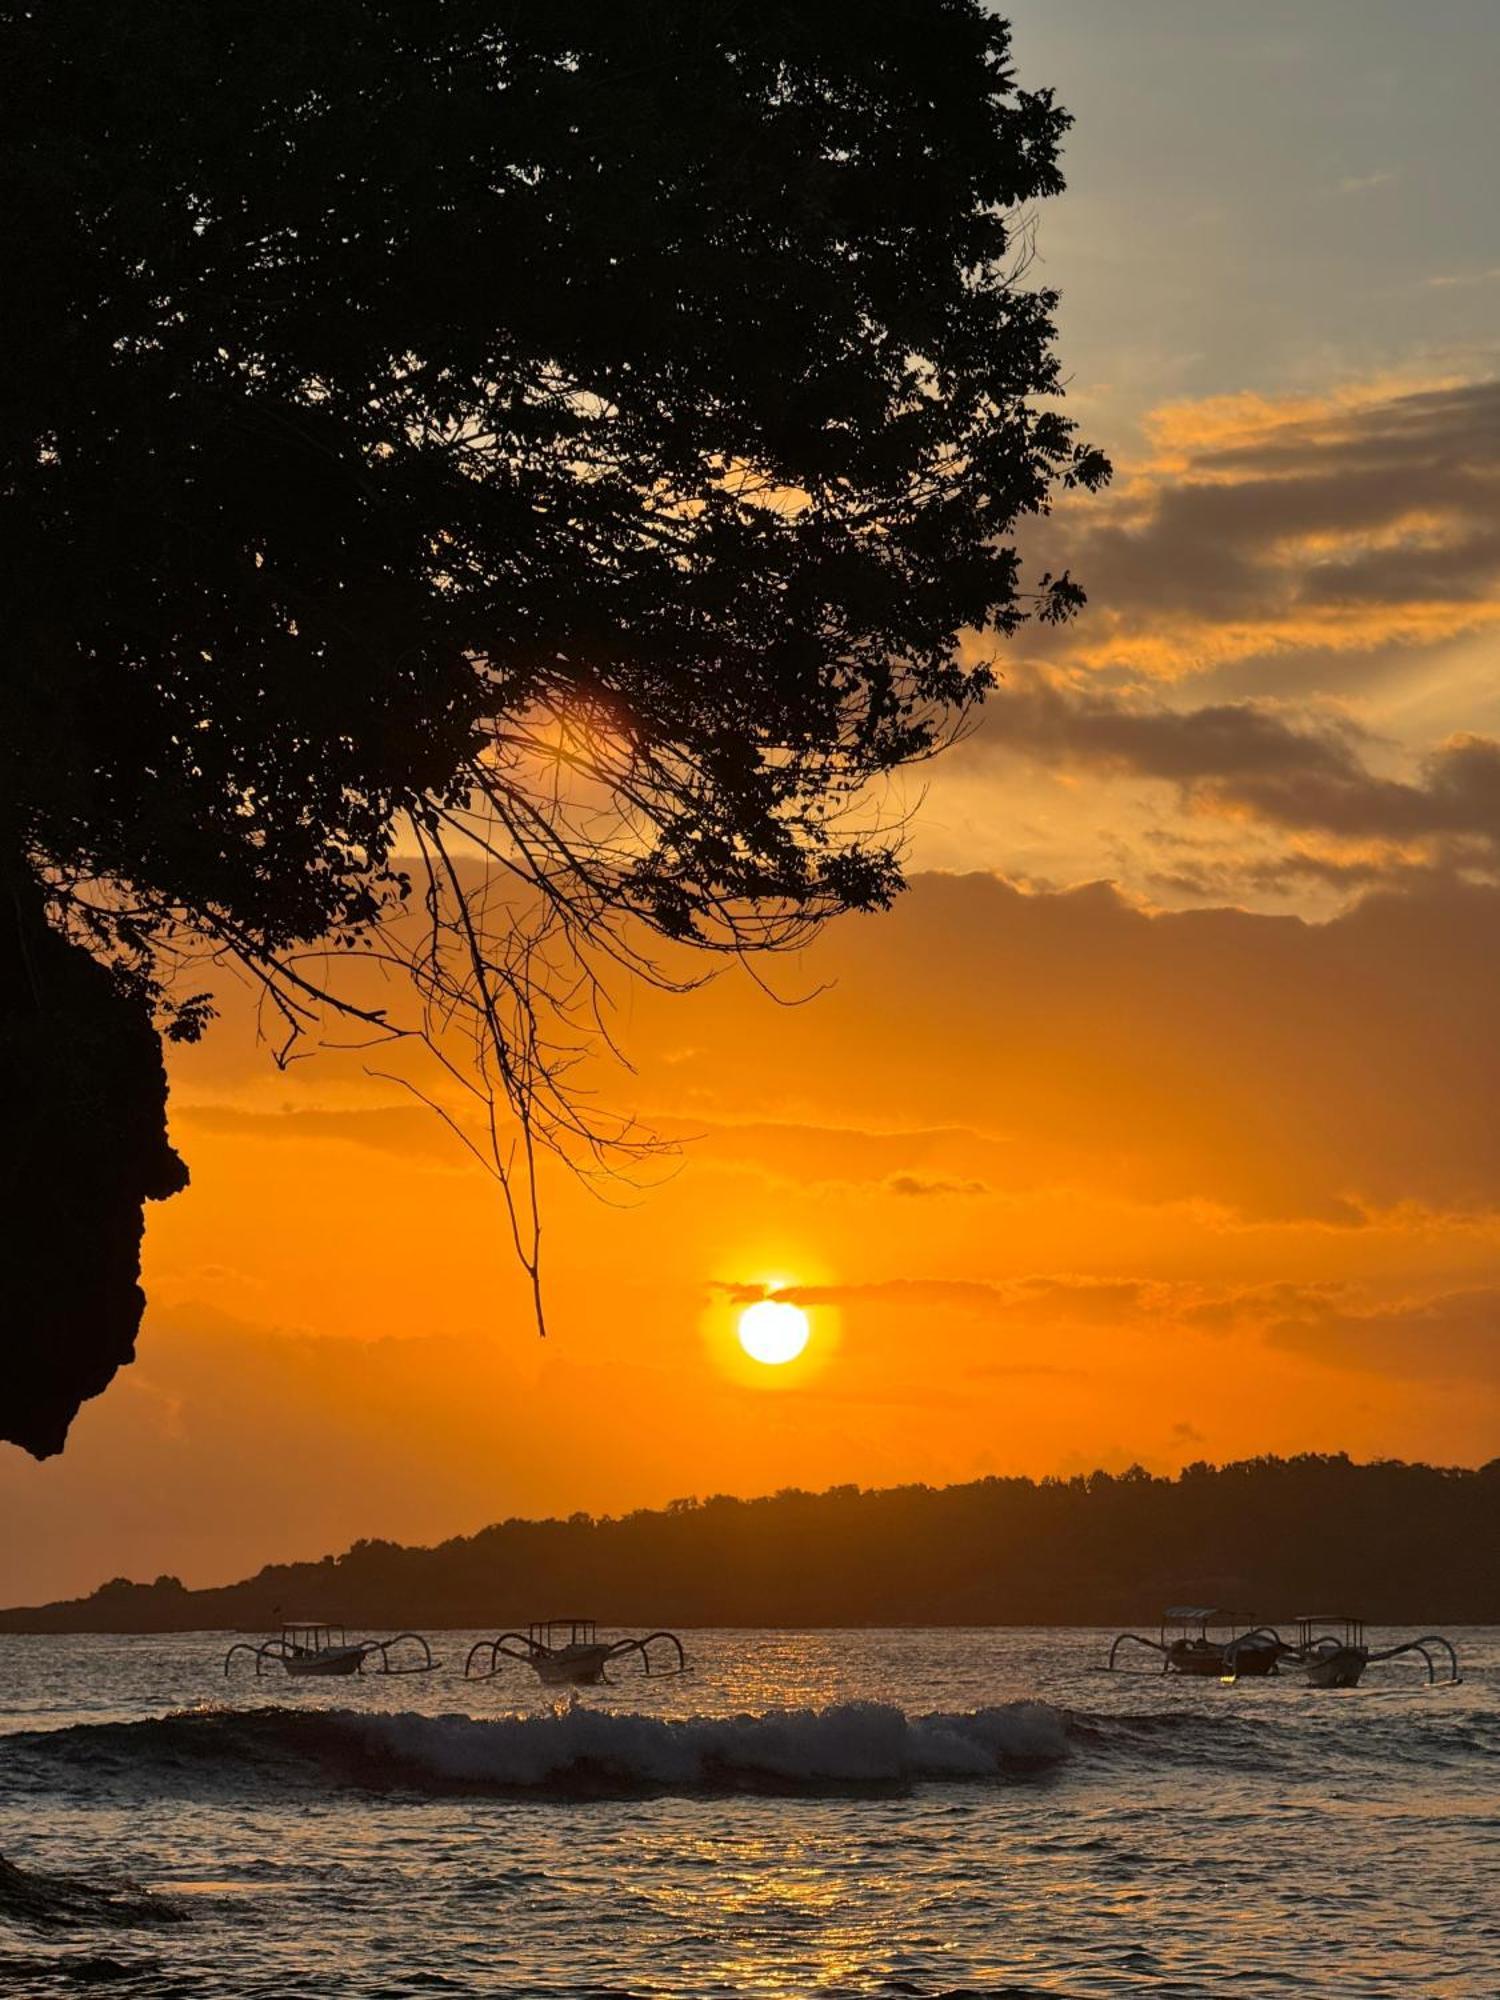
(577, 1751)
(573, 1750)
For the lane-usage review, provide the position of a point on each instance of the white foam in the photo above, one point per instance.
(854, 1743)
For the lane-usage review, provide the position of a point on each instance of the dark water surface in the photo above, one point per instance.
(882, 1813)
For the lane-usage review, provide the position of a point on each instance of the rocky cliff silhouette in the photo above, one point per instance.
(85, 1146)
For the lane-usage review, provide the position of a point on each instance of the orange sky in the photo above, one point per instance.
(1156, 1123)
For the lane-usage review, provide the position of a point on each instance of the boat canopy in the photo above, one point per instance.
(1353, 1629)
(1189, 1614)
(314, 1634)
(557, 1632)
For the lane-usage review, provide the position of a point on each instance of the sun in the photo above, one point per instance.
(773, 1331)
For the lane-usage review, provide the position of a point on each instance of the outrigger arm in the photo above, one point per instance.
(1452, 1678)
(1138, 1639)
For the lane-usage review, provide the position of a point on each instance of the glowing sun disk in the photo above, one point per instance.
(773, 1331)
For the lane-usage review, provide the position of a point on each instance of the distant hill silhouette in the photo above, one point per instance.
(1392, 1542)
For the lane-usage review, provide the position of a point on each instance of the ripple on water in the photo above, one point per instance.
(842, 1813)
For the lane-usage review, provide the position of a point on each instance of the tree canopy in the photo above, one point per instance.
(573, 436)
(1264, 1538)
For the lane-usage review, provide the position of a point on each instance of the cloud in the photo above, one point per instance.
(410, 1132)
(1450, 1337)
(1023, 1299)
(1271, 1066)
(1446, 1337)
(916, 1185)
(1454, 1337)
(1306, 774)
(939, 1162)
(1447, 278)
(1234, 1308)
(1317, 527)
(1360, 183)
(1136, 733)
(904, 1162)
(1060, 1299)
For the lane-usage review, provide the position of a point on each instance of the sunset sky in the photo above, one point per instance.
(1158, 1121)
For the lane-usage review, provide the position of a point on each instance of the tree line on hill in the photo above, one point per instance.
(1266, 1537)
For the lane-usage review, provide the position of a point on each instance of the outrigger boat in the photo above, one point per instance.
(309, 1647)
(1190, 1643)
(568, 1652)
(1332, 1652)
(1335, 1653)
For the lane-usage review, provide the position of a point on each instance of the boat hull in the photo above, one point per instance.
(1197, 1660)
(346, 1660)
(1253, 1660)
(575, 1666)
(1339, 1667)
(1208, 1659)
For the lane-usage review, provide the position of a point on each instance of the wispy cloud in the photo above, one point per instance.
(409, 1131)
(920, 1186)
(1057, 1298)
(1442, 1337)
(1358, 183)
(1448, 278)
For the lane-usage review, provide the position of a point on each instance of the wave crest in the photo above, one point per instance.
(571, 1750)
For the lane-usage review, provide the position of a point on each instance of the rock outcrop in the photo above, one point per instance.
(83, 1112)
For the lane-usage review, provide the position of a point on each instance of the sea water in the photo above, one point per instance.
(883, 1813)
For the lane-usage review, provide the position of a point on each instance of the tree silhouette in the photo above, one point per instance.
(559, 443)
(1265, 1538)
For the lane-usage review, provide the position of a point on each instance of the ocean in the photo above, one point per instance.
(873, 1812)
